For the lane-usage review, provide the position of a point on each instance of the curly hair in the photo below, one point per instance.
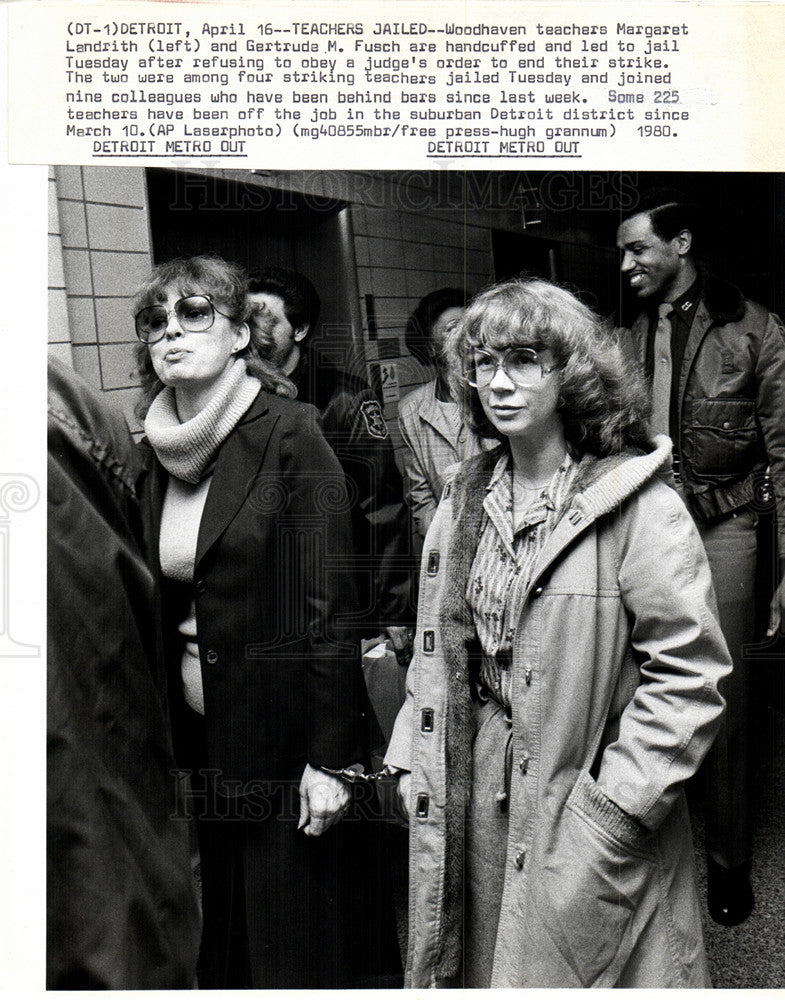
(226, 285)
(417, 335)
(602, 399)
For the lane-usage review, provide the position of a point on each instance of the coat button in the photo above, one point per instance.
(528, 676)
(520, 857)
(537, 591)
(523, 764)
(421, 809)
(726, 425)
(201, 586)
(212, 656)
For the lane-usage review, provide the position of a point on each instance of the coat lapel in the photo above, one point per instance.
(239, 459)
(432, 414)
(700, 325)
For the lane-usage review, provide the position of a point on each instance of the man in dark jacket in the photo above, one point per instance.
(716, 365)
(287, 308)
(122, 911)
(354, 426)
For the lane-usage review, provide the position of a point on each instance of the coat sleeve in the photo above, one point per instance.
(321, 566)
(419, 495)
(672, 717)
(355, 427)
(770, 373)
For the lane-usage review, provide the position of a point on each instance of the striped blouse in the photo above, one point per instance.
(503, 563)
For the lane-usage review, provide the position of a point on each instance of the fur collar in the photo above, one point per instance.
(724, 301)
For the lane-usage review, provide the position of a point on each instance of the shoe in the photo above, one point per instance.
(730, 895)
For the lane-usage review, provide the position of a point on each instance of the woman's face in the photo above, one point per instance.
(182, 359)
(527, 411)
(444, 323)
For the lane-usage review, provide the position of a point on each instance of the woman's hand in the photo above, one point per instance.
(323, 801)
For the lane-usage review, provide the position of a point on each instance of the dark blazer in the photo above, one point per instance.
(274, 600)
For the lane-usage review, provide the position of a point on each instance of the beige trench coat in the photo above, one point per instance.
(616, 662)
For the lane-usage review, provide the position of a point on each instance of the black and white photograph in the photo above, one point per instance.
(414, 578)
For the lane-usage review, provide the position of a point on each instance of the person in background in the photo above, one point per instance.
(564, 681)
(247, 524)
(433, 431)
(285, 313)
(716, 368)
(122, 909)
(287, 309)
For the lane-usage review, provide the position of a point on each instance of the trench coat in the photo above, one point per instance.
(432, 445)
(616, 660)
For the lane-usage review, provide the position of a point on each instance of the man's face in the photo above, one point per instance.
(270, 317)
(652, 265)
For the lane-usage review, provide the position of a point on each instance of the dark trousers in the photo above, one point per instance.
(731, 548)
(282, 910)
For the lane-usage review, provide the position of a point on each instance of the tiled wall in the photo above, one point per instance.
(99, 225)
(100, 250)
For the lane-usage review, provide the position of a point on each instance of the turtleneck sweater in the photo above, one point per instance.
(188, 450)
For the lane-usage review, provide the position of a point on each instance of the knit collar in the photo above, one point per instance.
(186, 450)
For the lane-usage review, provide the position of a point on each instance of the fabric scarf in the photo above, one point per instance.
(186, 450)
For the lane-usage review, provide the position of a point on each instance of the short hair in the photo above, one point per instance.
(226, 284)
(670, 212)
(419, 326)
(602, 400)
(301, 302)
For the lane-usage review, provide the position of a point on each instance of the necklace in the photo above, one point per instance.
(518, 486)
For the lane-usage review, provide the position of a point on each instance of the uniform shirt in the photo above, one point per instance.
(502, 566)
(681, 317)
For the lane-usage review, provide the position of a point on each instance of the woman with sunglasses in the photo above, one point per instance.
(564, 684)
(433, 431)
(248, 528)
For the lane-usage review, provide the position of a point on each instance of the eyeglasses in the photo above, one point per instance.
(195, 314)
(520, 364)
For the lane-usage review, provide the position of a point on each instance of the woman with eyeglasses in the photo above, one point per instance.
(564, 683)
(248, 529)
(433, 431)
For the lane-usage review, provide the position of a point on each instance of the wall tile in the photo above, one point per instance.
(385, 253)
(116, 228)
(418, 256)
(388, 281)
(115, 185)
(76, 264)
(57, 326)
(62, 352)
(69, 182)
(86, 363)
(115, 322)
(72, 224)
(118, 366)
(81, 314)
(118, 273)
(53, 218)
(55, 255)
(361, 254)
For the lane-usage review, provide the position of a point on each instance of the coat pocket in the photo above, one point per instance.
(597, 869)
(724, 437)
